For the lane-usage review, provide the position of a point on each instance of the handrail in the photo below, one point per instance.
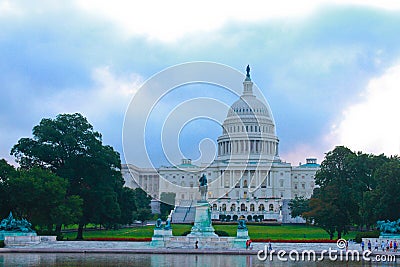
(187, 211)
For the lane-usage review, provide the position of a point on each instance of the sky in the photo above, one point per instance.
(330, 70)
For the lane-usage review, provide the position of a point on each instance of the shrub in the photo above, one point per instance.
(1, 244)
(372, 234)
(186, 233)
(221, 233)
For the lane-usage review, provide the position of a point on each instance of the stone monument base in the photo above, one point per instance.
(202, 222)
(27, 240)
(159, 237)
(3, 234)
(389, 236)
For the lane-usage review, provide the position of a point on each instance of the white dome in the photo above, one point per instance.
(248, 130)
(248, 105)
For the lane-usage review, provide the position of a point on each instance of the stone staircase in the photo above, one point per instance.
(185, 212)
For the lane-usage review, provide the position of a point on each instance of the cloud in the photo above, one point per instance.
(371, 125)
(310, 60)
(170, 20)
(110, 93)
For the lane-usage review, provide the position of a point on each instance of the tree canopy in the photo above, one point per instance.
(70, 148)
(353, 189)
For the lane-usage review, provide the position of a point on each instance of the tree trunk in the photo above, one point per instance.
(339, 234)
(331, 236)
(79, 236)
(50, 228)
(58, 228)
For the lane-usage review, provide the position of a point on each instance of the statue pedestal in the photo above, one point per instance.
(202, 221)
(389, 236)
(167, 232)
(242, 236)
(3, 234)
(158, 238)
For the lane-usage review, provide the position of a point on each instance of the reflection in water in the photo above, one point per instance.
(144, 260)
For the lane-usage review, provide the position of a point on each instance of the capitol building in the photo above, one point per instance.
(246, 180)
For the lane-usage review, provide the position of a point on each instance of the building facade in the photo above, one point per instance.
(247, 179)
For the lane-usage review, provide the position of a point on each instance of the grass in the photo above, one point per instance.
(284, 232)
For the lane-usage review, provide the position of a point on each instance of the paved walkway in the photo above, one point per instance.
(144, 247)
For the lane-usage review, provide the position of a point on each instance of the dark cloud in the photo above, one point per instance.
(309, 69)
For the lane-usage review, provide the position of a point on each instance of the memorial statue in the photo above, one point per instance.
(11, 224)
(168, 224)
(389, 227)
(242, 224)
(203, 187)
(158, 224)
(248, 72)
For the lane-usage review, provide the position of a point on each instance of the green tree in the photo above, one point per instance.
(127, 205)
(387, 194)
(336, 180)
(167, 203)
(7, 172)
(299, 206)
(323, 211)
(142, 203)
(363, 166)
(40, 196)
(69, 147)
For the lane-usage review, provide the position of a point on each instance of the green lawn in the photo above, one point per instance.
(285, 232)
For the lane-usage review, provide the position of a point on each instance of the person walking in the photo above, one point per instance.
(383, 245)
(269, 246)
(369, 245)
(362, 245)
(376, 247)
(395, 246)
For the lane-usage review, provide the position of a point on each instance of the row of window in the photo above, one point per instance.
(250, 110)
(243, 207)
(191, 176)
(248, 129)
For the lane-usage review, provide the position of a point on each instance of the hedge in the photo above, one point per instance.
(372, 234)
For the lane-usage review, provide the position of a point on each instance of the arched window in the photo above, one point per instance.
(245, 195)
(242, 207)
(214, 206)
(245, 183)
(223, 207)
(261, 207)
(251, 207)
(233, 207)
(271, 207)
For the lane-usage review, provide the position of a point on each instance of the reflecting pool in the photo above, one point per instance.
(143, 260)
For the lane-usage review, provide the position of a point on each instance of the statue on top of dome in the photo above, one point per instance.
(248, 72)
